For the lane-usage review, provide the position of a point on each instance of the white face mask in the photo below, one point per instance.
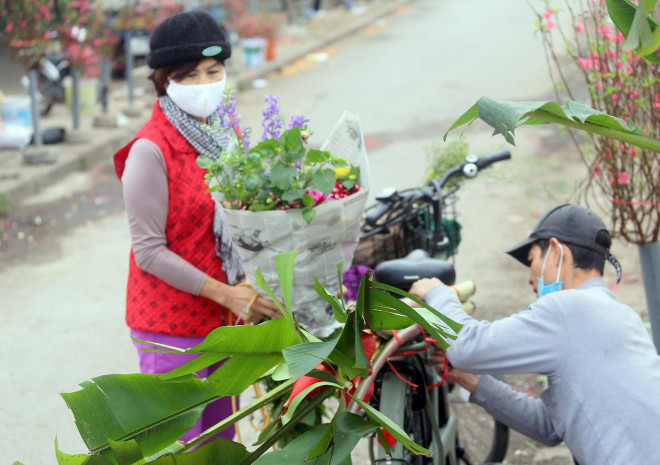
(197, 99)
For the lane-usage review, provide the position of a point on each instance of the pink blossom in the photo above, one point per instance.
(618, 65)
(550, 26)
(629, 71)
(615, 97)
(599, 85)
(547, 14)
(611, 181)
(610, 54)
(622, 177)
(632, 151)
(579, 27)
(585, 63)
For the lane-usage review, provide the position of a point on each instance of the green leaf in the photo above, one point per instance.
(220, 451)
(392, 428)
(282, 175)
(302, 358)
(266, 149)
(296, 451)
(284, 264)
(78, 459)
(137, 406)
(254, 350)
(126, 452)
(293, 194)
(204, 162)
(308, 200)
(323, 444)
(301, 396)
(362, 363)
(348, 429)
(506, 116)
(308, 214)
(337, 305)
(344, 354)
(324, 181)
(317, 156)
(281, 373)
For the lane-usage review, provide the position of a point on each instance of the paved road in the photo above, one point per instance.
(408, 77)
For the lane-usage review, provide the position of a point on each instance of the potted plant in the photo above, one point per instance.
(280, 195)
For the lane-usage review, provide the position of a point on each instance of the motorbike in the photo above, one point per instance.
(52, 68)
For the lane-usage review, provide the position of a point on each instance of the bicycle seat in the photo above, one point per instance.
(403, 272)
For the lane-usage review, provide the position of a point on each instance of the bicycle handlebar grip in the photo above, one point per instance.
(372, 217)
(488, 160)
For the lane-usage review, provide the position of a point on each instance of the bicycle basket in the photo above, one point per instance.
(405, 231)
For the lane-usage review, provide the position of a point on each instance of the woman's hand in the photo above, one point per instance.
(250, 307)
(242, 301)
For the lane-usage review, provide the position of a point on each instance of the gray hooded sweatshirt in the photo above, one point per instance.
(603, 395)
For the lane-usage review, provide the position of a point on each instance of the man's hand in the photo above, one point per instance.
(421, 287)
(468, 381)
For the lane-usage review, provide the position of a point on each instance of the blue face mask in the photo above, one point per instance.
(544, 289)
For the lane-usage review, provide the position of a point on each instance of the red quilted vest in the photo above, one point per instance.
(151, 304)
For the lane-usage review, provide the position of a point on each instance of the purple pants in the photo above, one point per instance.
(152, 362)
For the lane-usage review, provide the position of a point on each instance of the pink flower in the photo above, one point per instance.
(585, 63)
(632, 151)
(610, 54)
(550, 26)
(599, 85)
(549, 12)
(615, 97)
(622, 177)
(579, 28)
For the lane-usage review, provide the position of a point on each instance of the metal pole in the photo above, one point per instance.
(105, 84)
(128, 70)
(75, 76)
(37, 139)
(649, 255)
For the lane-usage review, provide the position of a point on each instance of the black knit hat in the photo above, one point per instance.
(189, 36)
(571, 224)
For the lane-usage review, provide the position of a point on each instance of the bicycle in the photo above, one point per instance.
(406, 388)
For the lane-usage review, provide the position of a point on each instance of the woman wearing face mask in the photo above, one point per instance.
(184, 278)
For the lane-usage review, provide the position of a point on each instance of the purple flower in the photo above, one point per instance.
(298, 122)
(271, 123)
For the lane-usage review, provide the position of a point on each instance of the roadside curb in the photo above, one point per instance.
(19, 181)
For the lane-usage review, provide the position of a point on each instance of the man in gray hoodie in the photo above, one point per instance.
(603, 395)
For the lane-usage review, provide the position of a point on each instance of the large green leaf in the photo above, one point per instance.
(394, 429)
(296, 451)
(78, 459)
(640, 30)
(504, 117)
(347, 431)
(220, 451)
(301, 396)
(253, 350)
(137, 406)
(435, 323)
(302, 358)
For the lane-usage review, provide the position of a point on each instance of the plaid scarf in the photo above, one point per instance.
(210, 143)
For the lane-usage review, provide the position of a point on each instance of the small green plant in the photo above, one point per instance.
(280, 172)
(441, 157)
(5, 205)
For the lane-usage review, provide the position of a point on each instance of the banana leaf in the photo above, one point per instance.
(153, 412)
(504, 117)
(641, 31)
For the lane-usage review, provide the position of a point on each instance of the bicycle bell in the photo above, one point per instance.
(470, 169)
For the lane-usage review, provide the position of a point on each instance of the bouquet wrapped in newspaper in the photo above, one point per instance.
(280, 196)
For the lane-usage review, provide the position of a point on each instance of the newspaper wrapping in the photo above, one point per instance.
(329, 239)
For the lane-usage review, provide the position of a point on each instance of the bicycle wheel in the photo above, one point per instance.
(405, 405)
(481, 439)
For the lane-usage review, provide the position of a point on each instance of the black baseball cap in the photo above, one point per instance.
(571, 224)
